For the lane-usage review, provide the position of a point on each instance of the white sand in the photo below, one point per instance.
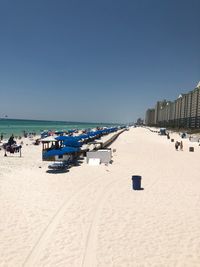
(90, 216)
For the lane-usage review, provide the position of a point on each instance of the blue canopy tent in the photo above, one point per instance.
(69, 149)
(44, 134)
(59, 132)
(69, 141)
(63, 138)
(52, 153)
(61, 151)
(72, 143)
(82, 136)
(91, 134)
(163, 131)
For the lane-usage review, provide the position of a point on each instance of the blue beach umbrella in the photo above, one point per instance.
(72, 143)
(66, 138)
(69, 149)
(71, 131)
(52, 153)
(59, 152)
(81, 136)
(91, 134)
(61, 138)
(69, 140)
(59, 132)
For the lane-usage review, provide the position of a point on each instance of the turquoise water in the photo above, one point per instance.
(16, 127)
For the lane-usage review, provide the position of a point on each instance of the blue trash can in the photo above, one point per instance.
(136, 182)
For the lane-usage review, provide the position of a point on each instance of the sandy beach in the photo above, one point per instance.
(90, 216)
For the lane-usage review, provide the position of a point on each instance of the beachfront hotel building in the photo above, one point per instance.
(184, 112)
(150, 117)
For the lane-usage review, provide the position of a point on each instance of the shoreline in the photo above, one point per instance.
(17, 127)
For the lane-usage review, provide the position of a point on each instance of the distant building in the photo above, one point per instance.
(183, 112)
(150, 117)
(160, 112)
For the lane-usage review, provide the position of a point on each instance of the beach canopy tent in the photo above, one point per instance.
(91, 134)
(66, 138)
(61, 151)
(163, 131)
(82, 136)
(48, 139)
(69, 141)
(94, 134)
(59, 132)
(72, 143)
(69, 149)
(46, 133)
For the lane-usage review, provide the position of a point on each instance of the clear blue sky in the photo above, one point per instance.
(80, 60)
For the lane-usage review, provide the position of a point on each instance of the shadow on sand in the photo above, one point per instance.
(57, 171)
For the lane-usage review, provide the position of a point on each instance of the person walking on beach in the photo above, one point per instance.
(181, 145)
(168, 137)
(176, 145)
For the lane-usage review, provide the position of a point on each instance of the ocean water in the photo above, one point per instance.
(16, 127)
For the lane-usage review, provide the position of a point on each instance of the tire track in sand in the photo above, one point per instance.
(89, 259)
(51, 226)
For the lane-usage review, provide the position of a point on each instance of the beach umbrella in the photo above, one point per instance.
(48, 139)
(91, 134)
(61, 138)
(61, 151)
(52, 153)
(59, 132)
(71, 131)
(69, 149)
(72, 143)
(67, 138)
(83, 136)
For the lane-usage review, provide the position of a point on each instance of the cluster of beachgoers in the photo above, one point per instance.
(92, 215)
(182, 136)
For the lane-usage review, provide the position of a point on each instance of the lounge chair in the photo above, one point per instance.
(58, 165)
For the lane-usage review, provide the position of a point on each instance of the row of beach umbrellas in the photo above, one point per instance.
(72, 144)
